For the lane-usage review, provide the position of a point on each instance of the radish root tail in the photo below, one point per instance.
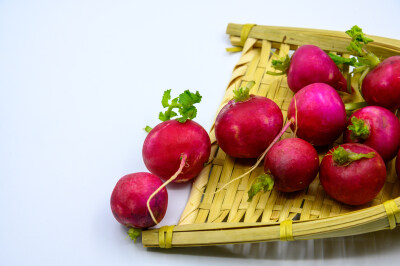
(261, 156)
(172, 178)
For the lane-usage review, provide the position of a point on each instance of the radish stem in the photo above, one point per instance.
(291, 121)
(172, 178)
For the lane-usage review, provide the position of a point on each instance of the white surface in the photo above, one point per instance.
(78, 82)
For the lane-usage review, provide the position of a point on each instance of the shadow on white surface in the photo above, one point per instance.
(361, 246)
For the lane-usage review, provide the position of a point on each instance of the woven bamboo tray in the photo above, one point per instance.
(227, 217)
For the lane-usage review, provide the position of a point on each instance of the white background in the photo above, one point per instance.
(78, 82)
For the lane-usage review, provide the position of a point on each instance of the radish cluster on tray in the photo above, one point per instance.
(250, 126)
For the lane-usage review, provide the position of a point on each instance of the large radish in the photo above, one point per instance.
(174, 141)
(376, 127)
(380, 81)
(309, 64)
(176, 150)
(247, 124)
(318, 113)
(352, 173)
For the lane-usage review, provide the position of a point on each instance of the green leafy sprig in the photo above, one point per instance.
(184, 103)
(263, 183)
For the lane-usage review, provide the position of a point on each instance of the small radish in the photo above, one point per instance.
(291, 164)
(309, 64)
(380, 81)
(129, 197)
(318, 113)
(376, 127)
(172, 141)
(247, 124)
(352, 173)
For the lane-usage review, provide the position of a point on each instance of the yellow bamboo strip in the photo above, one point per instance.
(326, 40)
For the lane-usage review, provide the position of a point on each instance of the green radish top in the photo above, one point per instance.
(282, 65)
(134, 233)
(344, 157)
(263, 183)
(243, 94)
(364, 58)
(184, 103)
(359, 129)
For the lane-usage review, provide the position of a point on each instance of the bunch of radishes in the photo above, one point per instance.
(250, 126)
(176, 151)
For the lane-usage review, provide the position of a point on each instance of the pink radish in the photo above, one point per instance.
(174, 141)
(247, 124)
(318, 113)
(352, 173)
(380, 81)
(376, 127)
(381, 86)
(309, 64)
(129, 197)
(291, 165)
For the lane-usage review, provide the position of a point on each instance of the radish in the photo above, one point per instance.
(381, 86)
(174, 141)
(129, 197)
(291, 164)
(309, 64)
(352, 173)
(247, 124)
(376, 127)
(318, 113)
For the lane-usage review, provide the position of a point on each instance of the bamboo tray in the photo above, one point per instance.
(227, 217)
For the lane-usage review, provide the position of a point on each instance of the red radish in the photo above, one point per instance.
(290, 165)
(376, 127)
(381, 86)
(293, 164)
(247, 124)
(318, 113)
(168, 141)
(352, 173)
(129, 197)
(175, 141)
(309, 64)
